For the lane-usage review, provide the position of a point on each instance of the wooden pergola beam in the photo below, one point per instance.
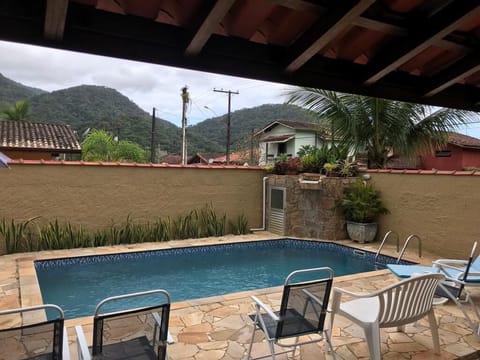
(301, 5)
(440, 25)
(55, 17)
(208, 25)
(463, 68)
(324, 31)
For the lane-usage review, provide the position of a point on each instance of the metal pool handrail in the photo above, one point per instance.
(387, 235)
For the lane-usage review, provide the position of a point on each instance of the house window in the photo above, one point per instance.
(282, 148)
(443, 153)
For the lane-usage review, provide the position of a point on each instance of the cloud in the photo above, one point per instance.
(148, 85)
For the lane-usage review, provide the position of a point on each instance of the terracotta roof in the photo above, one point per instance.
(423, 51)
(464, 141)
(234, 158)
(21, 135)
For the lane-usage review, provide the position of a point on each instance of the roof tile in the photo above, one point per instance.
(27, 135)
(463, 140)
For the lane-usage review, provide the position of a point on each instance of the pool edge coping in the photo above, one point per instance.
(29, 288)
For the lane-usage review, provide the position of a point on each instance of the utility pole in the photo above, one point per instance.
(251, 146)
(185, 100)
(152, 140)
(229, 92)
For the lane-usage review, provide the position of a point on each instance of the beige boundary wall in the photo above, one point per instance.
(442, 208)
(95, 194)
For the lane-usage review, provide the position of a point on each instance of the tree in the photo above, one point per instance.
(126, 151)
(100, 145)
(378, 125)
(18, 112)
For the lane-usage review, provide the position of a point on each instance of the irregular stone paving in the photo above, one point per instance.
(219, 328)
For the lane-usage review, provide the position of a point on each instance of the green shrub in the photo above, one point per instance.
(362, 203)
(26, 236)
(240, 226)
(18, 235)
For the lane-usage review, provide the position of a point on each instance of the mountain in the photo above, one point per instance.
(12, 91)
(87, 107)
(243, 121)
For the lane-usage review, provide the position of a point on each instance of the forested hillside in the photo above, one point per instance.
(97, 107)
(12, 91)
(243, 121)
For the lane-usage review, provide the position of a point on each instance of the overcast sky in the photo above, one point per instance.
(145, 84)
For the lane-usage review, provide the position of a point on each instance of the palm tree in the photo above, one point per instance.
(17, 112)
(378, 126)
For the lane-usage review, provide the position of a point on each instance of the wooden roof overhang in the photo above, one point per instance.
(424, 51)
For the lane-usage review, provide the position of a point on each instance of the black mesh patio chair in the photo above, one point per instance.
(302, 312)
(134, 334)
(27, 333)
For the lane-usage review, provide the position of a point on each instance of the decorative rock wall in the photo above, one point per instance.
(310, 206)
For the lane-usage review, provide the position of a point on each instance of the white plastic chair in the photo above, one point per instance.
(394, 306)
(460, 275)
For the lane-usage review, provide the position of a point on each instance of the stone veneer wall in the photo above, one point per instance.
(310, 207)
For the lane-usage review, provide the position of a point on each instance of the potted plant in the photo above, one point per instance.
(361, 205)
(287, 166)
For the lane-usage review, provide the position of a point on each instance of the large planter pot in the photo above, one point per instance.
(362, 232)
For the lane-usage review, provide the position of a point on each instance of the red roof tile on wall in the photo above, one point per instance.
(118, 164)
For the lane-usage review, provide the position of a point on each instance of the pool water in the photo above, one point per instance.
(78, 284)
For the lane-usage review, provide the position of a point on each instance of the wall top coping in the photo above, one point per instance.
(123, 164)
(423, 172)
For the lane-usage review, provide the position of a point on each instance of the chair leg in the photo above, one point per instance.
(401, 328)
(271, 345)
(434, 330)
(328, 340)
(372, 333)
(295, 347)
(251, 340)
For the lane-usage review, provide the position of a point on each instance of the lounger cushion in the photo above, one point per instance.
(405, 271)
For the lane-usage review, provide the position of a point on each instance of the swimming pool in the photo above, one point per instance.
(78, 284)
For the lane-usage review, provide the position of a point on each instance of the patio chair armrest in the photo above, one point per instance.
(265, 308)
(340, 291)
(443, 268)
(158, 323)
(450, 262)
(82, 348)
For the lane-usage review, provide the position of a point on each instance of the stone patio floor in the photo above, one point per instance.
(219, 328)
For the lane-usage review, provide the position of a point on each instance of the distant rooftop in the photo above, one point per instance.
(22, 135)
(464, 141)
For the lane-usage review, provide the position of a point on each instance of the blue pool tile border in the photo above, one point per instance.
(285, 243)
